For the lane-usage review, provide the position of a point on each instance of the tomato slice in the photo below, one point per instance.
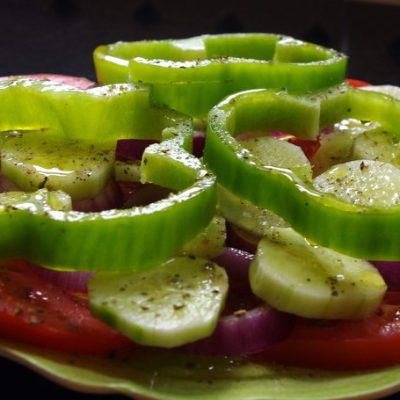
(370, 343)
(37, 312)
(357, 83)
(309, 147)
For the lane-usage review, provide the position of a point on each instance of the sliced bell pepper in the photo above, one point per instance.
(191, 75)
(99, 115)
(36, 228)
(366, 232)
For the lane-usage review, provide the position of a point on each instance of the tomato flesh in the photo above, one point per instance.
(357, 83)
(373, 342)
(309, 147)
(37, 312)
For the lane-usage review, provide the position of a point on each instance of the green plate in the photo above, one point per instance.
(163, 375)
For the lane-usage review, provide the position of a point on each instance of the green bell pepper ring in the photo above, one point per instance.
(35, 227)
(191, 75)
(360, 231)
(99, 115)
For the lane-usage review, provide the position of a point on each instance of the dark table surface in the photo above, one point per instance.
(58, 36)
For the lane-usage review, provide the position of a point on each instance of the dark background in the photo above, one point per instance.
(58, 36)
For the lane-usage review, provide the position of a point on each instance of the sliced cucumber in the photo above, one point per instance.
(336, 147)
(127, 171)
(390, 90)
(177, 303)
(210, 242)
(363, 182)
(5, 135)
(270, 151)
(281, 154)
(34, 161)
(245, 215)
(40, 201)
(294, 276)
(377, 145)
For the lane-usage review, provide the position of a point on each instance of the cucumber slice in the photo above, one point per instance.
(177, 303)
(210, 242)
(281, 154)
(41, 200)
(5, 135)
(127, 171)
(270, 151)
(377, 145)
(34, 161)
(242, 213)
(363, 182)
(390, 90)
(337, 146)
(295, 276)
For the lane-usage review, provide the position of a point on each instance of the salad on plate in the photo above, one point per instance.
(216, 217)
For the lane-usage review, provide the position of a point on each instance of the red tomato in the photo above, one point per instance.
(373, 342)
(356, 83)
(37, 312)
(78, 82)
(309, 147)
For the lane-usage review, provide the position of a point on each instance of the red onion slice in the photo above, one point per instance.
(128, 189)
(236, 263)
(251, 135)
(132, 149)
(110, 197)
(247, 327)
(240, 239)
(145, 194)
(199, 140)
(6, 185)
(73, 281)
(245, 333)
(390, 271)
(76, 81)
